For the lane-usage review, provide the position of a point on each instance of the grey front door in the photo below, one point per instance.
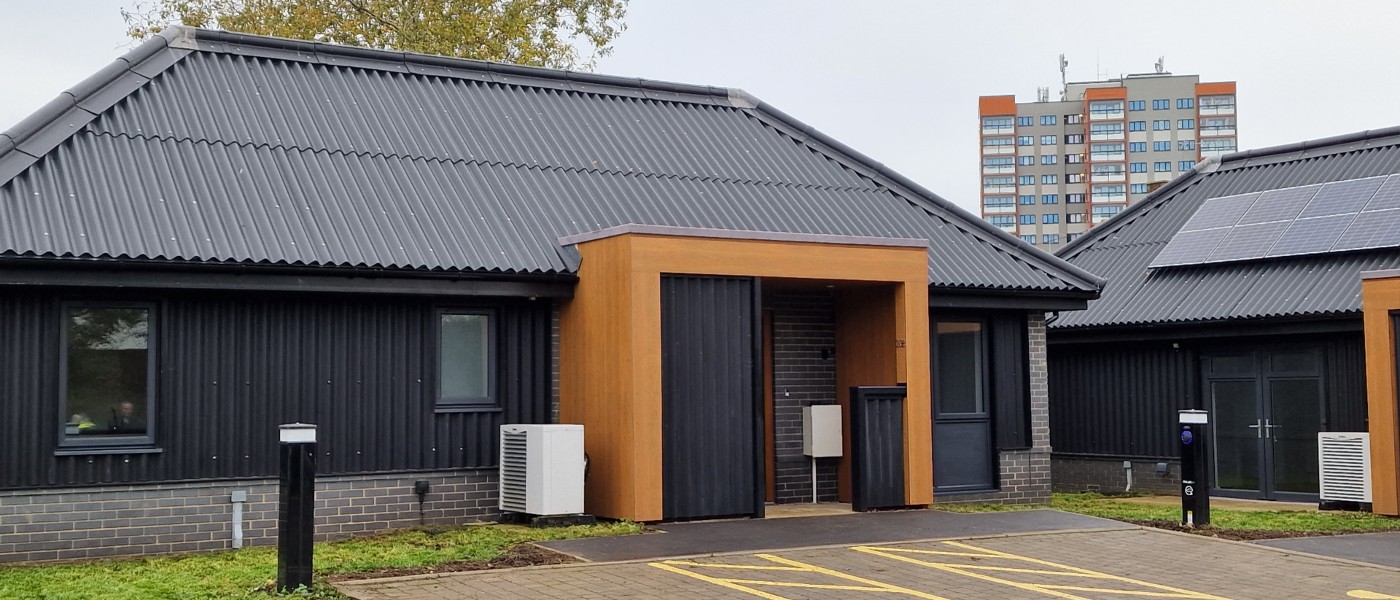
(1268, 408)
(711, 416)
(962, 424)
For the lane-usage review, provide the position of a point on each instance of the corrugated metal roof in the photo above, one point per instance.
(257, 150)
(1318, 285)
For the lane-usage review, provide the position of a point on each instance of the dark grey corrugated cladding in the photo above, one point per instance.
(235, 148)
(1305, 286)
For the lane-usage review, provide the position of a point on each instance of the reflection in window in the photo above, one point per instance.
(957, 359)
(107, 374)
(464, 355)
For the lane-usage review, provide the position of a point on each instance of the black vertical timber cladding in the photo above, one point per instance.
(877, 447)
(709, 412)
(232, 367)
(1010, 365)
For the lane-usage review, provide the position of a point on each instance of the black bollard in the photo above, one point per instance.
(296, 506)
(1193, 427)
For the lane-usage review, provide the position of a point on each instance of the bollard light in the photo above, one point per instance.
(296, 506)
(1192, 434)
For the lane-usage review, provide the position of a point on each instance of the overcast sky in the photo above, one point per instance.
(899, 80)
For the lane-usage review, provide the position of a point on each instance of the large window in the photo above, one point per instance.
(108, 374)
(466, 342)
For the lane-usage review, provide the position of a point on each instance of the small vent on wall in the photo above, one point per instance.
(1345, 460)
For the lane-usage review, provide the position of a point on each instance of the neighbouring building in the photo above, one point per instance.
(1238, 288)
(220, 233)
(1051, 170)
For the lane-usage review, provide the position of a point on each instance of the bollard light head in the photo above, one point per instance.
(1199, 417)
(298, 433)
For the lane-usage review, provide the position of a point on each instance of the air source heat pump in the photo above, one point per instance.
(542, 469)
(1345, 461)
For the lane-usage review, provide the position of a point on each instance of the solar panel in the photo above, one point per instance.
(1248, 241)
(1310, 219)
(1372, 229)
(1279, 205)
(1310, 236)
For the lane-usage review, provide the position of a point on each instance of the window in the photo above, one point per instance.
(1139, 188)
(1218, 146)
(1074, 218)
(1137, 125)
(1185, 165)
(1074, 119)
(1106, 151)
(1074, 159)
(1074, 138)
(1186, 103)
(1002, 220)
(1106, 211)
(1074, 198)
(1137, 105)
(996, 125)
(1137, 167)
(1024, 121)
(1137, 146)
(1101, 109)
(1050, 199)
(1048, 159)
(1105, 131)
(1161, 104)
(1162, 125)
(108, 375)
(1186, 124)
(1186, 144)
(1026, 180)
(1025, 140)
(1049, 218)
(993, 184)
(1161, 146)
(1027, 198)
(1028, 219)
(1164, 166)
(1050, 238)
(999, 203)
(998, 162)
(1029, 238)
(1048, 140)
(1025, 160)
(1069, 237)
(1049, 179)
(465, 375)
(1074, 178)
(1047, 119)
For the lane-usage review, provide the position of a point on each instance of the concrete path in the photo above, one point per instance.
(1377, 548)
(1097, 565)
(689, 539)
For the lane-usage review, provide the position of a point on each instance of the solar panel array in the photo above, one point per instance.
(1356, 214)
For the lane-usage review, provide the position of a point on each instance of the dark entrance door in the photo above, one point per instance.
(711, 387)
(962, 425)
(1268, 409)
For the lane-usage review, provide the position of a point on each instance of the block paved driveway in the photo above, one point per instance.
(1119, 564)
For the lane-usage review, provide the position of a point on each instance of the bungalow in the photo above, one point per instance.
(1237, 288)
(220, 233)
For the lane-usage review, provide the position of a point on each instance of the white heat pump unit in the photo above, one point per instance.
(542, 469)
(1345, 461)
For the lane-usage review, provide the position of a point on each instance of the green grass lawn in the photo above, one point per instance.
(1222, 520)
(249, 573)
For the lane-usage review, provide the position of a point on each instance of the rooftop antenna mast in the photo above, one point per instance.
(1161, 65)
(1064, 84)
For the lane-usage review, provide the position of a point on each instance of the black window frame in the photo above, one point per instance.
(107, 443)
(492, 400)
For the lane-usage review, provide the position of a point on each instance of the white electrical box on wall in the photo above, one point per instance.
(821, 430)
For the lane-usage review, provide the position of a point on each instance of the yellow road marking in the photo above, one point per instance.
(745, 585)
(1162, 591)
(1370, 595)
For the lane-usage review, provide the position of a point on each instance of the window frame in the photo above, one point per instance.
(492, 400)
(108, 444)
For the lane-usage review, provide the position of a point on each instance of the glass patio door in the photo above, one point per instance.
(1267, 408)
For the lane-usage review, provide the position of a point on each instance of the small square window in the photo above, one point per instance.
(1048, 140)
(1026, 199)
(1025, 140)
(1074, 138)
(1028, 219)
(466, 358)
(1185, 123)
(1137, 125)
(1186, 103)
(1073, 119)
(1050, 199)
(1048, 159)
(1049, 179)
(1047, 120)
(1074, 178)
(1185, 165)
(1162, 167)
(1023, 121)
(1025, 160)
(1049, 218)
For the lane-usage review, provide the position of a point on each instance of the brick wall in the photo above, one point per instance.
(1025, 475)
(189, 517)
(803, 329)
(1106, 474)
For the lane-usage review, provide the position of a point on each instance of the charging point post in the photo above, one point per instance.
(1192, 429)
(296, 504)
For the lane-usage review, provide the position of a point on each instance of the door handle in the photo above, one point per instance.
(1258, 427)
(1270, 429)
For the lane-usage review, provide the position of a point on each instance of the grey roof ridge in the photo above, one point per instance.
(1210, 165)
(29, 140)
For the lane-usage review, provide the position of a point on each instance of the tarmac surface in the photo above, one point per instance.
(1375, 548)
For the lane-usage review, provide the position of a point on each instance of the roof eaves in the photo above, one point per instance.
(1156, 198)
(1341, 143)
(907, 188)
(24, 143)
